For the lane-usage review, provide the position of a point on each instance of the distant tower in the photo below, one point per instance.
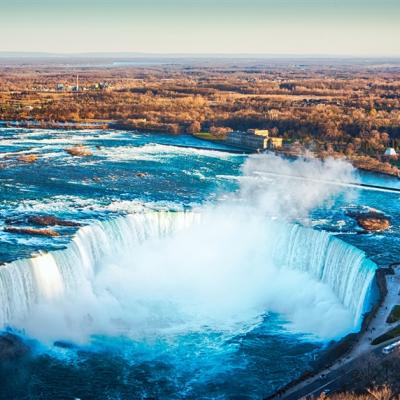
(77, 83)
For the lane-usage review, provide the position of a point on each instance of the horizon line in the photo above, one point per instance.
(48, 54)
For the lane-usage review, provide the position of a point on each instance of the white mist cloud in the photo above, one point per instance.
(290, 189)
(219, 272)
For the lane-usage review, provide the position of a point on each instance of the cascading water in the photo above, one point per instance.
(149, 273)
(47, 277)
(342, 267)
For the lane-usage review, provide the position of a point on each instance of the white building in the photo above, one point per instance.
(390, 152)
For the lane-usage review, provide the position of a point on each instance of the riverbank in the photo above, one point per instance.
(345, 354)
(54, 125)
(361, 162)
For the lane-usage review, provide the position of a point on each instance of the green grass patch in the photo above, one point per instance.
(392, 334)
(206, 136)
(394, 315)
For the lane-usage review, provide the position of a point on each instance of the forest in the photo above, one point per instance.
(350, 110)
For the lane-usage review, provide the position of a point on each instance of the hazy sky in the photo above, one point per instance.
(335, 27)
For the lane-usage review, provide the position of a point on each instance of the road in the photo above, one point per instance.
(337, 378)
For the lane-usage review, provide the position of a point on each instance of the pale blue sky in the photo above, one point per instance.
(312, 27)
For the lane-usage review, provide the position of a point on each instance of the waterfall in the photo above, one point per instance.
(343, 267)
(48, 276)
(61, 274)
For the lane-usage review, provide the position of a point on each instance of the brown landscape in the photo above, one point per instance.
(336, 109)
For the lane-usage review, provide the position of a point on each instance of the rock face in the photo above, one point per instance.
(11, 347)
(41, 220)
(79, 151)
(371, 220)
(31, 231)
(28, 158)
(373, 223)
(38, 220)
(49, 220)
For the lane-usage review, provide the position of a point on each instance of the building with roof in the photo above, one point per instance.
(254, 139)
(390, 152)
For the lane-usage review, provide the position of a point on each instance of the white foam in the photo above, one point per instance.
(158, 152)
